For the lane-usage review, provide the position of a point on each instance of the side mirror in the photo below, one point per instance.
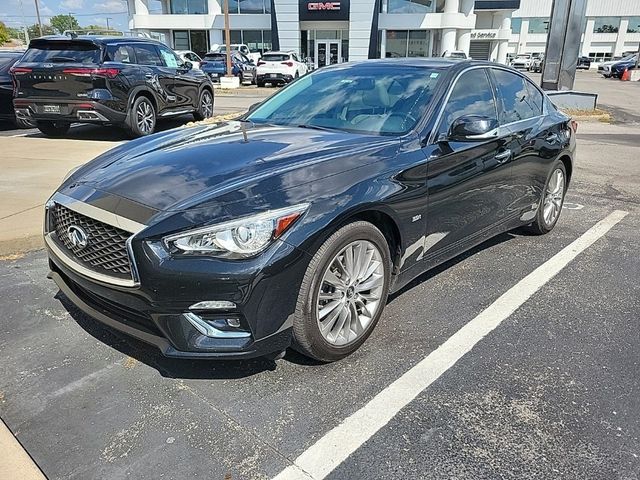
(472, 128)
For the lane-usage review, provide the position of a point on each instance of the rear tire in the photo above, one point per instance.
(551, 201)
(205, 106)
(352, 271)
(53, 129)
(142, 118)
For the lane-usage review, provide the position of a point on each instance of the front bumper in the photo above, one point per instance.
(68, 111)
(171, 332)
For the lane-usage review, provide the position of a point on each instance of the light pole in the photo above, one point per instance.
(108, 18)
(38, 15)
(227, 37)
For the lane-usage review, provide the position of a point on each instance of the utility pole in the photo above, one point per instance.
(108, 18)
(227, 37)
(24, 26)
(38, 15)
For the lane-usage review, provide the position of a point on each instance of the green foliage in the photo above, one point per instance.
(4, 34)
(34, 31)
(60, 23)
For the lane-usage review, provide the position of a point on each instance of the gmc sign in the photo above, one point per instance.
(324, 10)
(323, 6)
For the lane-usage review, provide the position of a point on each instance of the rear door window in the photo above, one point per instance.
(62, 52)
(471, 95)
(147, 55)
(120, 54)
(518, 102)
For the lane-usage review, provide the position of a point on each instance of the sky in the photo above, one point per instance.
(88, 12)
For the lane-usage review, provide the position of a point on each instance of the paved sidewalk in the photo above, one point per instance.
(15, 462)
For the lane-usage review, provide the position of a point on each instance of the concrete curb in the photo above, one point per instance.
(15, 462)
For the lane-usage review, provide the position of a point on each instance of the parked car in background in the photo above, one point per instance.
(584, 63)
(522, 60)
(242, 48)
(7, 114)
(537, 63)
(279, 68)
(618, 68)
(189, 56)
(605, 67)
(128, 82)
(293, 225)
(214, 64)
(454, 54)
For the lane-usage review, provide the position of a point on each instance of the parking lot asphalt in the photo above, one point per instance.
(553, 392)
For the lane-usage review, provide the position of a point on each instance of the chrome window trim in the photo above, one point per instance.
(434, 133)
(103, 216)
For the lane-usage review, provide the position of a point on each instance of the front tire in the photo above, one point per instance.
(142, 118)
(53, 129)
(343, 293)
(205, 106)
(551, 202)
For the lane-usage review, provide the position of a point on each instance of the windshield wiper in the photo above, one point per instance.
(317, 127)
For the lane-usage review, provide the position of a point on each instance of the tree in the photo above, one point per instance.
(34, 31)
(60, 23)
(4, 34)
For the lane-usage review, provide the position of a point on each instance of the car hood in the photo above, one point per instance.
(188, 167)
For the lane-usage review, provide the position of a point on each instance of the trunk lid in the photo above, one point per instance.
(61, 69)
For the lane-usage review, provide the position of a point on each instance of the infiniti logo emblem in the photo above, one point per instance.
(78, 236)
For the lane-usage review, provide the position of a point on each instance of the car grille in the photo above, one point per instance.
(106, 250)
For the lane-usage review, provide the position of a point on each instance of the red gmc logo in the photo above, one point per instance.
(323, 6)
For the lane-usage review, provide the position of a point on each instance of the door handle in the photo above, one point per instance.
(503, 156)
(552, 138)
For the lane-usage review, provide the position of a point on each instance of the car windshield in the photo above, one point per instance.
(274, 57)
(63, 52)
(372, 99)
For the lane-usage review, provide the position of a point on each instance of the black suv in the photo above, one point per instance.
(121, 81)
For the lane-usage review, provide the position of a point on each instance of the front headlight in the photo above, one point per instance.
(238, 238)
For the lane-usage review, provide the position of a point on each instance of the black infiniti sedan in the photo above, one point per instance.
(291, 226)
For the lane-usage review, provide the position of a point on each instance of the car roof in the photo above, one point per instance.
(433, 62)
(97, 39)
(277, 52)
(11, 53)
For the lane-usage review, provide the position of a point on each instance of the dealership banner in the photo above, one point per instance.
(311, 10)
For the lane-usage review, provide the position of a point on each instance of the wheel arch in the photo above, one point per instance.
(568, 166)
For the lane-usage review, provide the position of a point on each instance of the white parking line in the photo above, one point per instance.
(321, 458)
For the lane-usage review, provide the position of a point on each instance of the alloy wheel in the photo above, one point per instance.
(206, 105)
(554, 195)
(350, 293)
(145, 117)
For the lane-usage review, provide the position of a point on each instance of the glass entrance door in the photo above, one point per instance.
(328, 52)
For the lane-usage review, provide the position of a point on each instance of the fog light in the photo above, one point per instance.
(213, 305)
(233, 322)
(207, 327)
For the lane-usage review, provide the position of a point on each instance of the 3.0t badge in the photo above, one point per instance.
(78, 236)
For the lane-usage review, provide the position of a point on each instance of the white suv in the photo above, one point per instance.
(279, 68)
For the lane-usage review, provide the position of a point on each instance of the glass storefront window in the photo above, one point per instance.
(195, 40)
(408, 43)
(408, 6)
(251, 6)
(256, 40)
(190, 7)
(606, 25)
(181, 40)
(634, 25)
(538, 25)
(516, 25)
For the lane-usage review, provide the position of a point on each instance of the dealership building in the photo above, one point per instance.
(341, 30)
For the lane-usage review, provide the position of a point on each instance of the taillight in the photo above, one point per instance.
(261, 63)
(87, 72)
(202, 62)
(288, 64)
(20, 70)
(574, 126)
